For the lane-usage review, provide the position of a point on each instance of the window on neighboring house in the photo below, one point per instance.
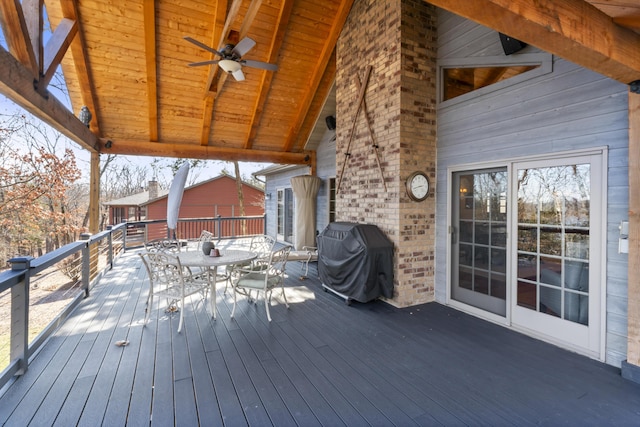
(118, 215)
(332, 199)
(132, 213)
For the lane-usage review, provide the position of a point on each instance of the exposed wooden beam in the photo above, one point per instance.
(571, 29)
(196, 151)
(220, 14)
(228, 17)
(317, 105)
(56, 48)
(16, 34)
(207, 117)
(323, 60)
(16, 82)
(629, 21)
(149, 13)
(267, 76)
(32, 10)
(227, 35)
(83, 75)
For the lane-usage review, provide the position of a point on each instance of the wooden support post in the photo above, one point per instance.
(94, 216)
(94, 194)
(633, 290)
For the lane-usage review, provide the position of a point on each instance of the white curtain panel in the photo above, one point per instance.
(305, 189)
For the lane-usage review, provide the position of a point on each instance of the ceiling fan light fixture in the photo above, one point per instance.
(229, 65)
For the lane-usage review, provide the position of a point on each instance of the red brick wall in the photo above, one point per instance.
(398, 39)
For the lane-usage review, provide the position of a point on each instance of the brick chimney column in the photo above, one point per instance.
(153, 189)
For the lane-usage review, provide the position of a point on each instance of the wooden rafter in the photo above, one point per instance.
(265, 80)
(16, 82)
(70, 11)
(313, 114)
(192, 151)
(32, 10)
(323, 60)
(629, 21)
(219, 25)
(56, 48)
(571, 29)
(16, 34)
(149, 12)
(225, 35)
(222, 35)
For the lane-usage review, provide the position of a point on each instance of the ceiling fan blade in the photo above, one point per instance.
(259, 64)
(202, 45)
(243, 46)
(197, 64)
(238, 75)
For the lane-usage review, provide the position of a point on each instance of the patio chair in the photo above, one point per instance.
(262, 246)
(162, 245)
(169, 279)
(306, 255)
(264, 280)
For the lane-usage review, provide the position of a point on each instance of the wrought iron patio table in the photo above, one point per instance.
(195, 258)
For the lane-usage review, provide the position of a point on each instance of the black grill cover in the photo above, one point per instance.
(356, 260)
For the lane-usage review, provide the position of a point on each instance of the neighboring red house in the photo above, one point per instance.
(208, 199)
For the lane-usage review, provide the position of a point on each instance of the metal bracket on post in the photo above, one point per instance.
(86, 264)
(110, 247)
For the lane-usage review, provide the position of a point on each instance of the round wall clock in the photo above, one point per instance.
(418, 186)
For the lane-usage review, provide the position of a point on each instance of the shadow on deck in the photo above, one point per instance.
(319, 363)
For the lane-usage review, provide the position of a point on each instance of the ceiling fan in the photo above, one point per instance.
(231, 57)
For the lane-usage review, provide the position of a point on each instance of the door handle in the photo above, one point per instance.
(454, 234)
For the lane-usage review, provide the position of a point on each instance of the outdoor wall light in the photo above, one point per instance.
(85, 115)
(267, 196)
(108, 144)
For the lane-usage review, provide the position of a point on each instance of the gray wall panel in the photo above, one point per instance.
(568, 109)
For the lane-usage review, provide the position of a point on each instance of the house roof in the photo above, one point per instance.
(128, 62)
(275, 169)
(142, 198)
(138, 199)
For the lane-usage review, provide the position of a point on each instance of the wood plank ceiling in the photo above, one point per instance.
(127, 61)
(131, 69)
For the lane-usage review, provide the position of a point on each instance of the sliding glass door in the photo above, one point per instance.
(547, 278)
(479, 239)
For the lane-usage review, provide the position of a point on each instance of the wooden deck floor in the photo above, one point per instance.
(319, 363)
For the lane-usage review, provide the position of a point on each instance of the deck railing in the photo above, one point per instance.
(38, 294)
(139, 232)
